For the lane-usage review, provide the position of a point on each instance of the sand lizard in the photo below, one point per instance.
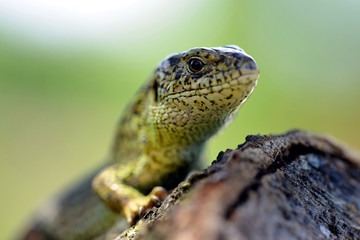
(161, 137)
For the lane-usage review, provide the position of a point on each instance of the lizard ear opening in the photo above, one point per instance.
(155, 88)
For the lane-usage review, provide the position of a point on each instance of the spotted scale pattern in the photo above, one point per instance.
(178, 110)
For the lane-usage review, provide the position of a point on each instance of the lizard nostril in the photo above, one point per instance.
(236, 63)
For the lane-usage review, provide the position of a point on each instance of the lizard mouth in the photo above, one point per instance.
(242, 82)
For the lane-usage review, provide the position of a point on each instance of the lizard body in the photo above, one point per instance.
(161, 137)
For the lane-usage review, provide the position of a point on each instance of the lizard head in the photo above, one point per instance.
(198, 91)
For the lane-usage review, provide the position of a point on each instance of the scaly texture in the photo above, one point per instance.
(189, 97)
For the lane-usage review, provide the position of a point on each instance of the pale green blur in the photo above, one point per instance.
(59, 102)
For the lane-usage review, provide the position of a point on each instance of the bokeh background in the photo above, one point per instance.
(67, 69)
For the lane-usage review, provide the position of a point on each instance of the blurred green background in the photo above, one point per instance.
(67, 69)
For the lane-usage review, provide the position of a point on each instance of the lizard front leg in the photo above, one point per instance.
(110, 186)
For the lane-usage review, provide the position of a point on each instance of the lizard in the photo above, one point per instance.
(161, 137)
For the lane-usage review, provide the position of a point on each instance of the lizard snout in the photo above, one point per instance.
(247, 65)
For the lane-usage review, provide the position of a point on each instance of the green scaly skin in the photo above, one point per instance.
(190, 96)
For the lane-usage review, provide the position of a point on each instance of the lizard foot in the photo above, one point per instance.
(136, 208)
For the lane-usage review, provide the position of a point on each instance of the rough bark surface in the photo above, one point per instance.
(293, 186)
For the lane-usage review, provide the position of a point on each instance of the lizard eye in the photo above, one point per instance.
(195, 65)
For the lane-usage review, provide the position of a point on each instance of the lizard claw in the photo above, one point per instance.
(138, 207)
(158, 194)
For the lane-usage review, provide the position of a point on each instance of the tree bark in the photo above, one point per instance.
(292, 186)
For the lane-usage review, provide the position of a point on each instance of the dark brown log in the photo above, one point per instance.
(293, 186)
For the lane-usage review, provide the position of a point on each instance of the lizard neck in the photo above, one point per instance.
(140, 132)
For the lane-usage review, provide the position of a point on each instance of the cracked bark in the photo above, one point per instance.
(293, 186)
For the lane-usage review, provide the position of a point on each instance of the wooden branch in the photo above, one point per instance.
(293, 186)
